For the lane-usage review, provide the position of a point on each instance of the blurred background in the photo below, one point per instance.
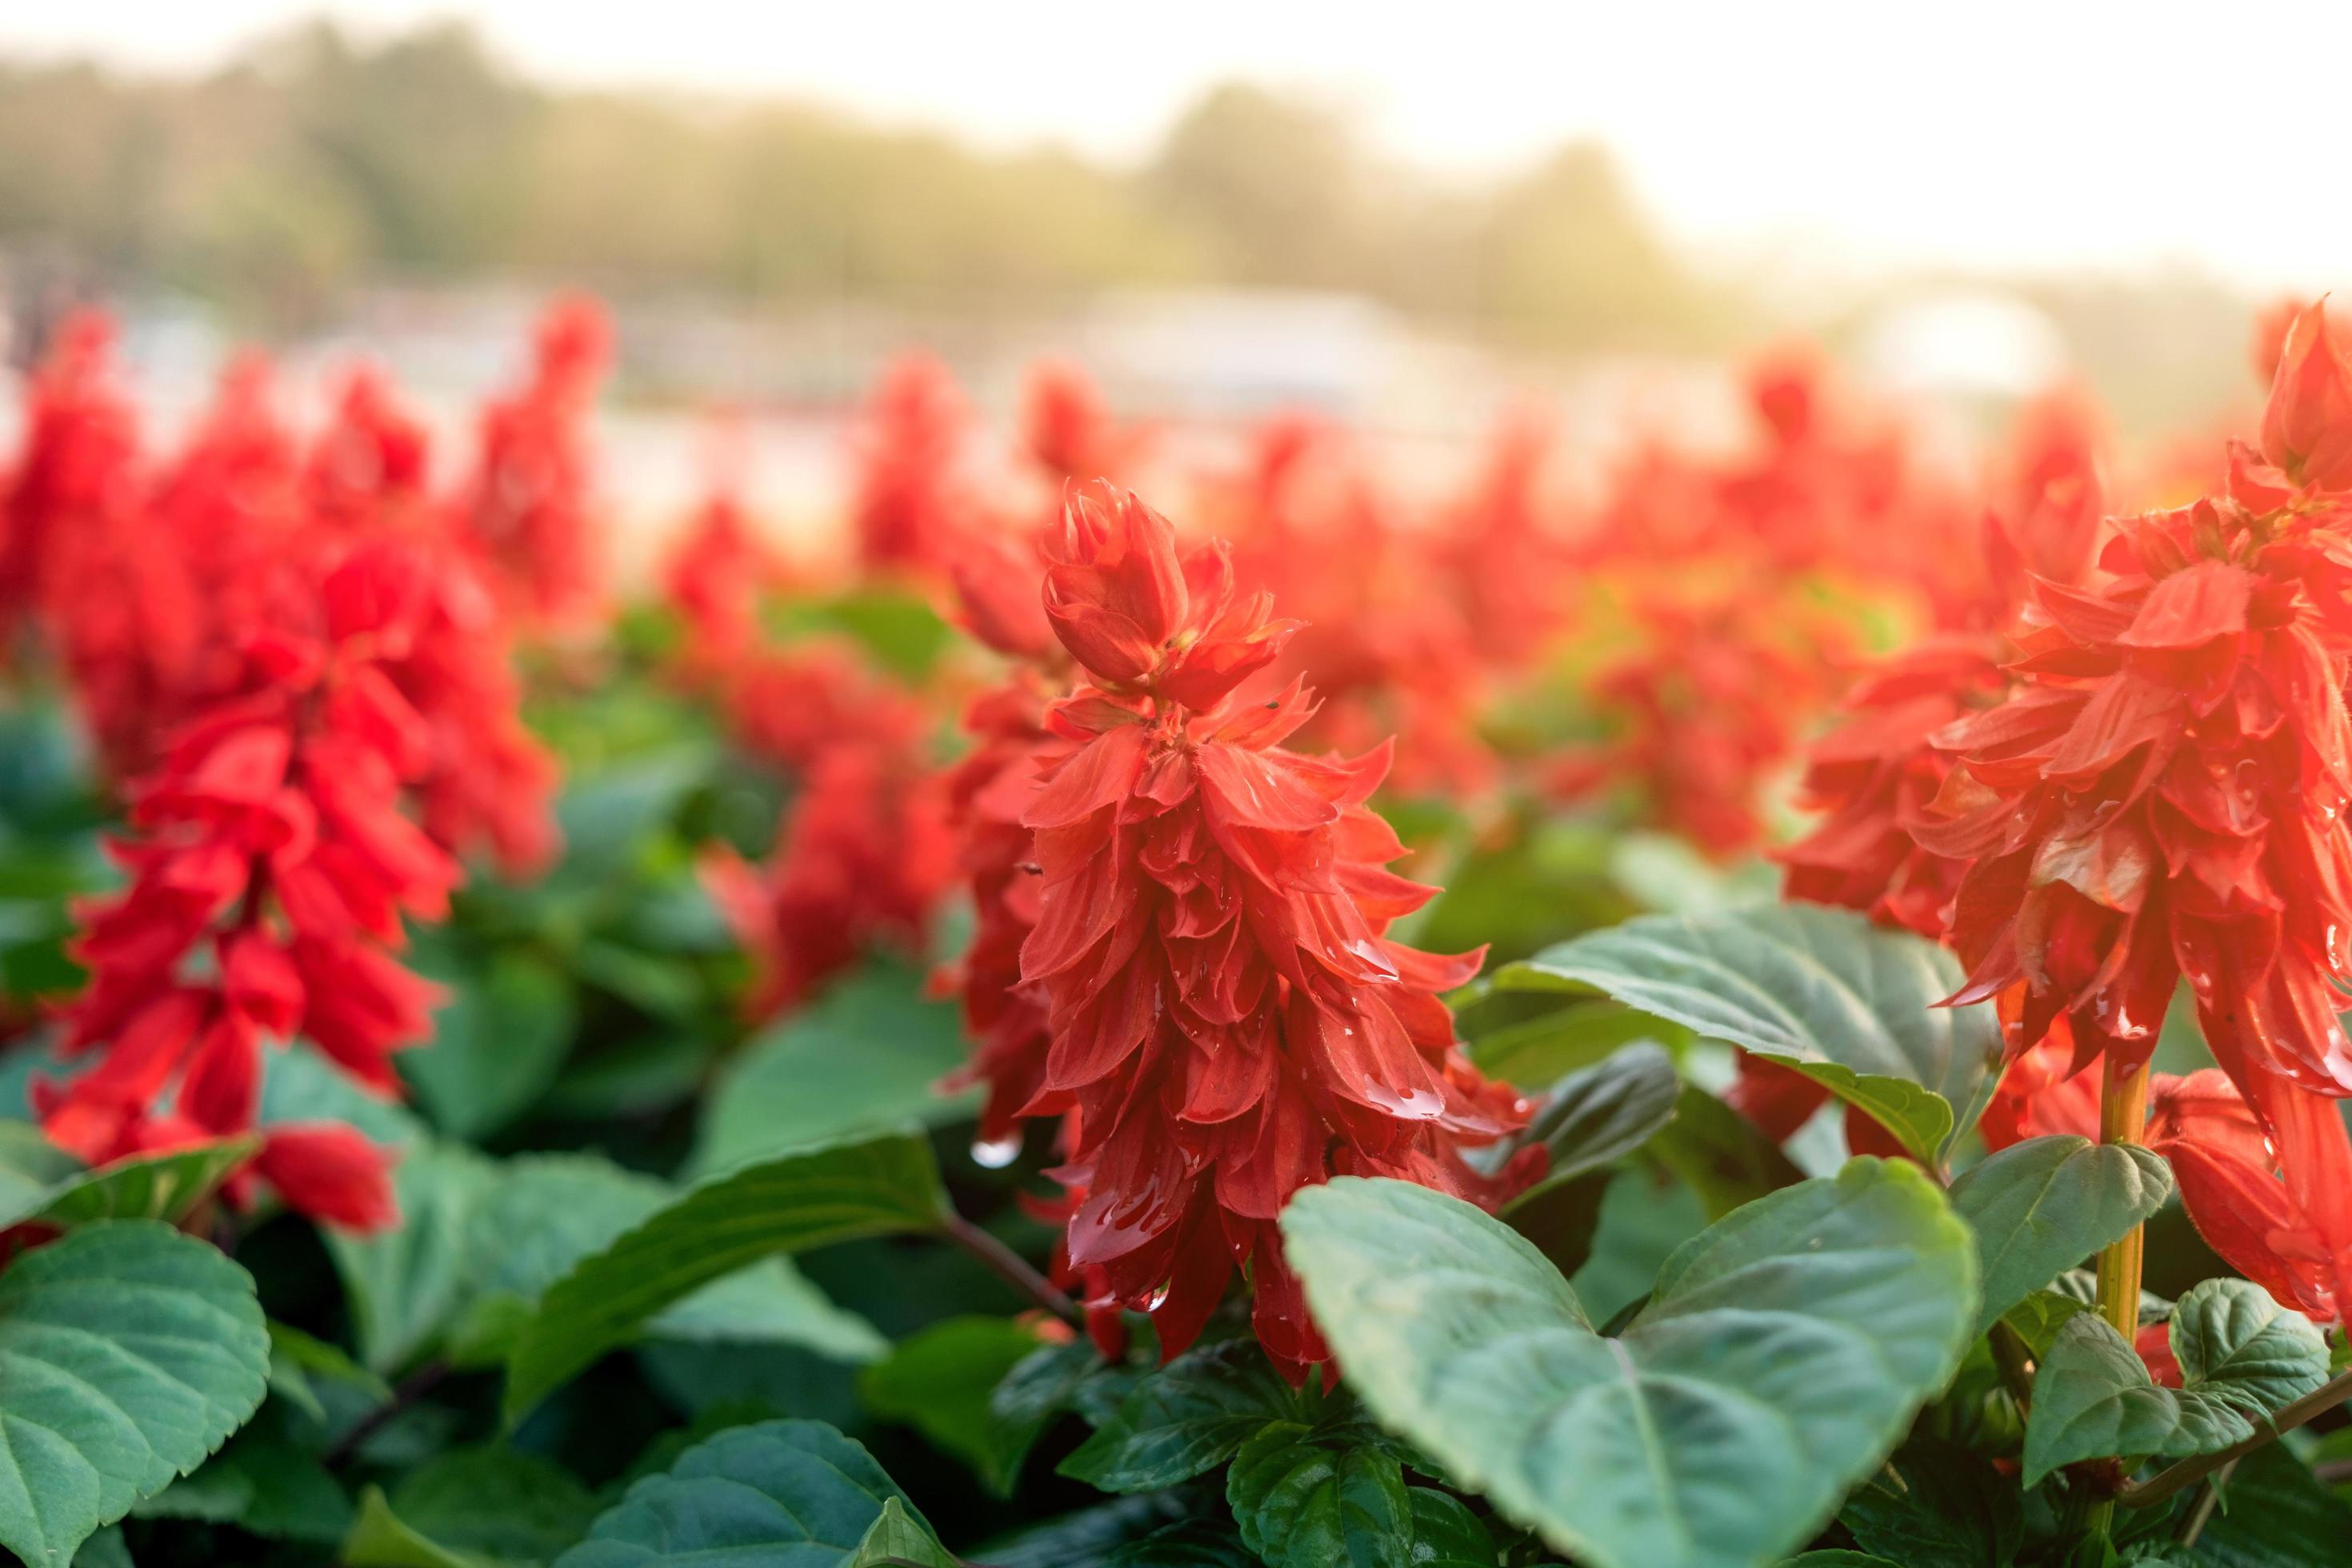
(1400, 221)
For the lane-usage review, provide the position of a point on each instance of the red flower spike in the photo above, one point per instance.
(2308, 426)
(1225, 1022)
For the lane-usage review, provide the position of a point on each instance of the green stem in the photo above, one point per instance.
(2123, 1120)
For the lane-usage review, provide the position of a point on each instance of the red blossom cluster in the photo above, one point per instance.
(527, 505)
(2156, 792)
(291, 663)
(1223, 1020)
(269, 870)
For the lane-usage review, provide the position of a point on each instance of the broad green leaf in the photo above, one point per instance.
(497, 1503)
(794, 1493)
(1195, 1543)
(900, 631)
(1535, 1052)
(769, 1303)
(297, 1362)
(2275, 1513)
(144, 1186)
(1838, 1560)
(1784, 1351)
(128, 1354)
(1098, 1534)
(838, 1193)
(1306, 1497)
(865, 1058)
(1645, 1216)
(1445, 1534)
(1663, 872)
(29, 1162)
(541, 1214)
(1044, 1384)
(1848, 1005)
(1191, 1415)
(1597, 1116)
(498, 1043)
(265, 1483)
(939, 1382)
(406, 1284)
(896, 1538)
(1719, 1154)
(2042, 1207)
(1936, 1505)
(2242, 1355)
(382, 1539)
(2038, 1317)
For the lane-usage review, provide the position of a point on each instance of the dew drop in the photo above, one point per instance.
(995, 1153)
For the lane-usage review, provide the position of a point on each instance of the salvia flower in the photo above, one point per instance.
(269, 869)
(1227, 1021)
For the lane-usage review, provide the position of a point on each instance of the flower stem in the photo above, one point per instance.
(2123, 1119)
(1010, 1267)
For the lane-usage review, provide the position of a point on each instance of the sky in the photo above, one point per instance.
(1844, 138)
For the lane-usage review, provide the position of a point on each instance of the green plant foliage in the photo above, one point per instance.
(2042, 1207)
(1304, 1497)
(1936, 1505)
(896, 1540)
(780, 1492)
(942, 1382)
(128, 1354)
(839, 1193)
(1188, 1418)
(1781, 1356)
(1847, 1003)
(866, 1057)
(2241, 1356)
(166, 1186)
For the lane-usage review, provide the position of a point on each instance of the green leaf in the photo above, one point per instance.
(1195, 1544)
(2038, 1317)
(1936, 1505)
(301, 1085)
(839, 1193)
(2042, 1207)
(28, 1161)
(144, 1186)
(265, 1483)
(1041, 1386)
(867, 1058)
(769, 1303)
(1838, 1560)
(1446, 1534)
(128, 1354)
(1535, 1052)
(381, 1539)
(1848, 1005)
(794, 1493)
(1719, 1154)
(542, 1213)
(2275, 1513)
(297, 1362)
(2242, 1355)
(496, 1503)
(1191, 1415)
(897, 1538)
(498, 1044)
(1308, 1499)
(1783, 1351)
(940, 1381)
(406, 1285)
(1597, 1116)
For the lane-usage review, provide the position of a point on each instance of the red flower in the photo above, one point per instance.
(864, 860)
(269, 838)
(1228, 1023)
(2280, 1215)
(1068, 429)
(988, 791)
(906, 506)
(714, 582)
(528, 507)
(2163, 794)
